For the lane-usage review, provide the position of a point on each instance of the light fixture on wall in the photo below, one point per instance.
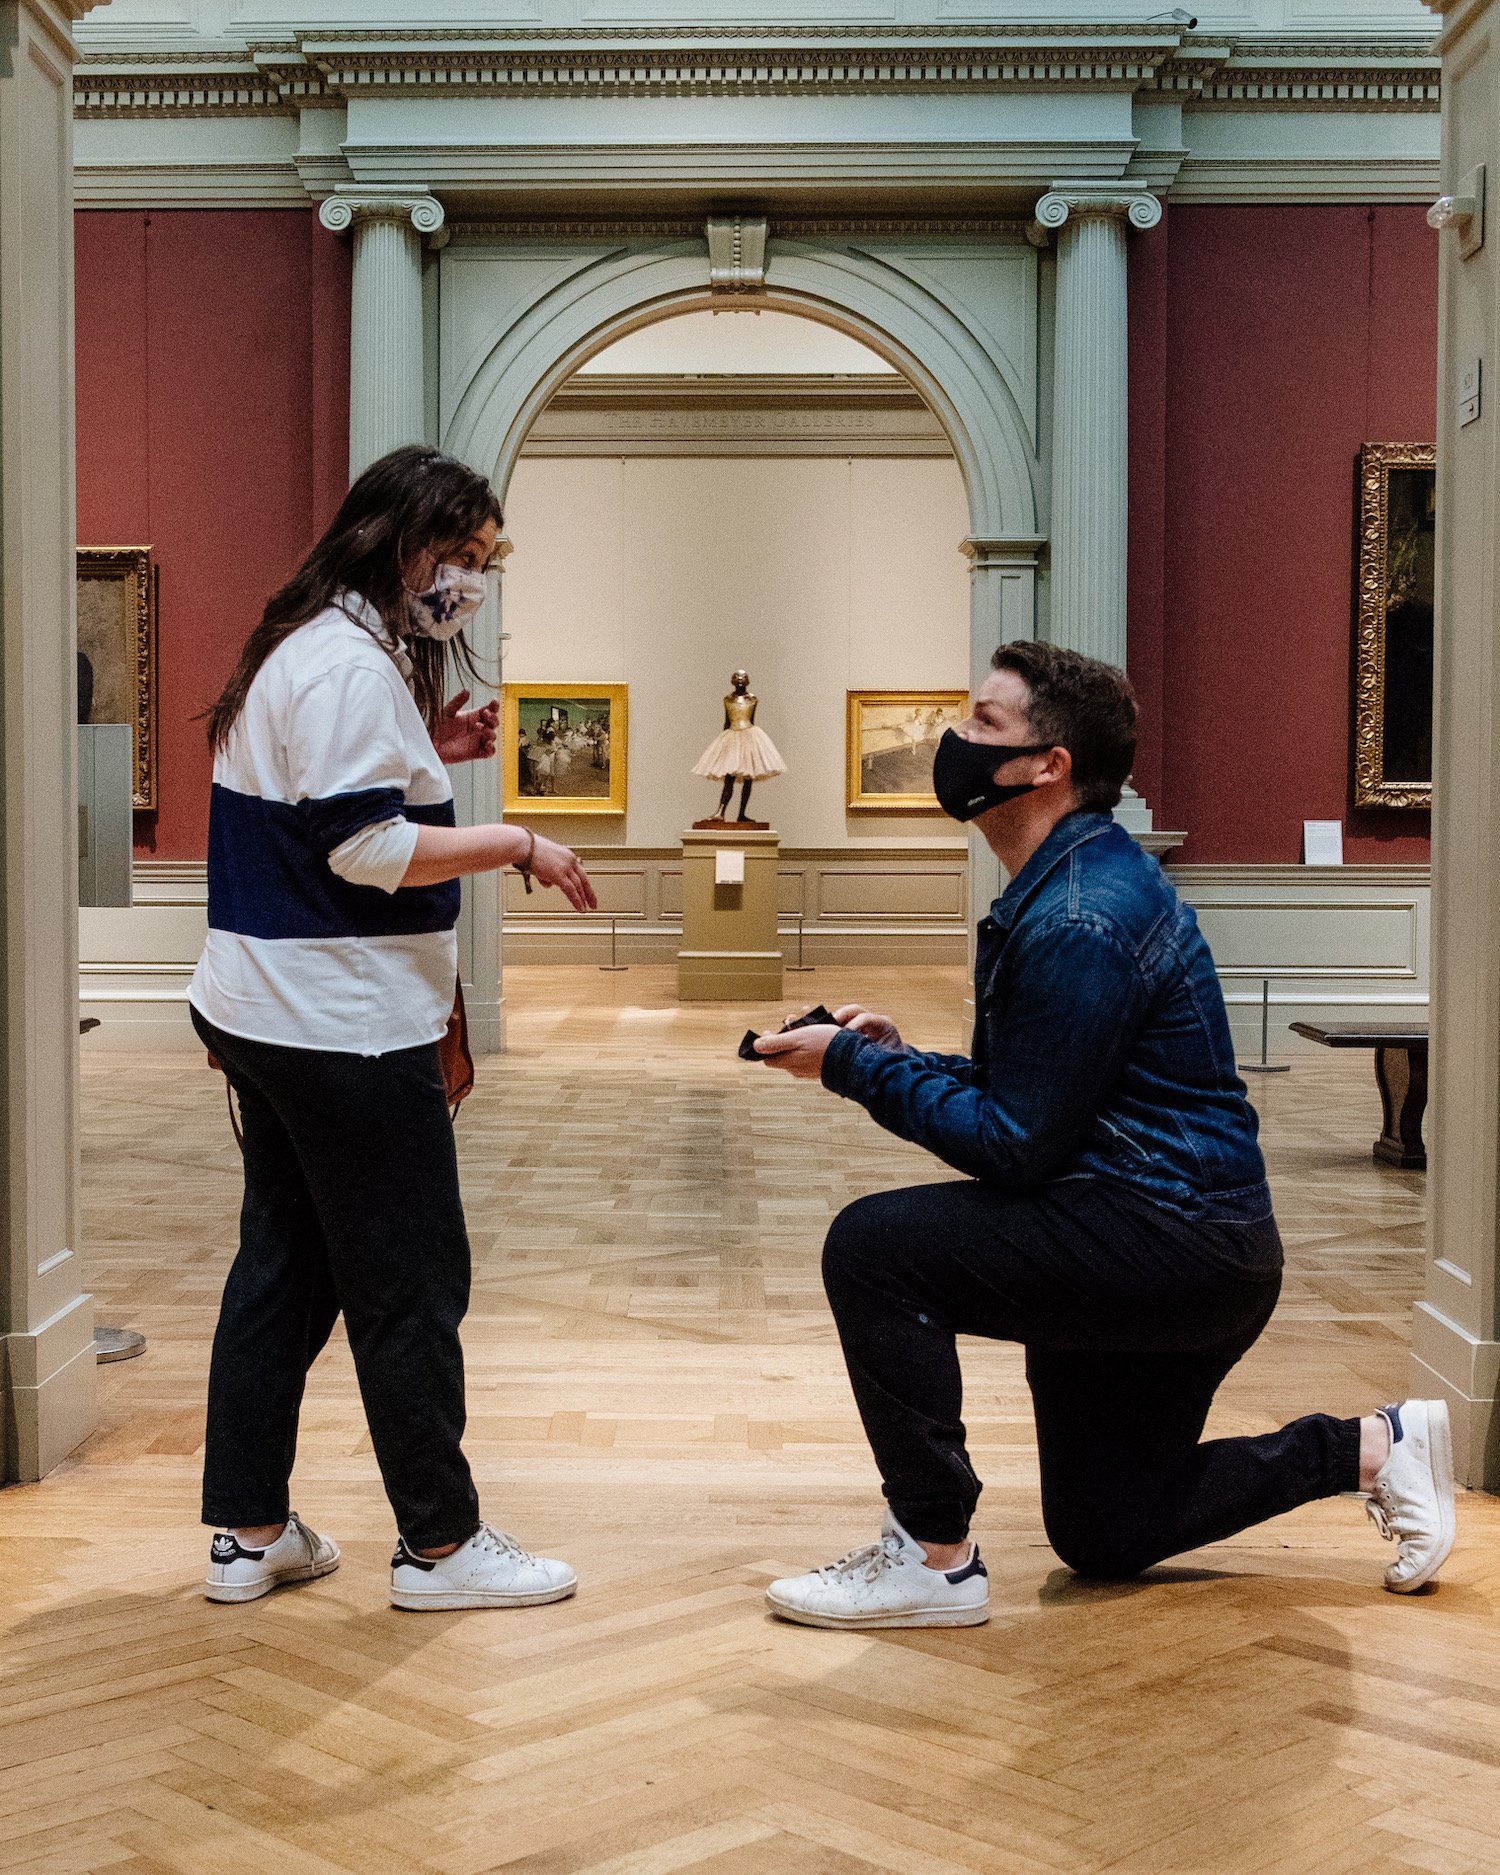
(1178, 15)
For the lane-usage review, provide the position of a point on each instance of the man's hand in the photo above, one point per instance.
(552, 864)
(878, 1029)
(799, 1051)
(466, 735)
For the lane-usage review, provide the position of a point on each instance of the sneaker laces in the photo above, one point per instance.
(1384, 1512)
(872, 1560)
(501, 1543)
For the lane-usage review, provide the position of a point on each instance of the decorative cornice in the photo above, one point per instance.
(283, 75)
(778, 227)
(1304, 74)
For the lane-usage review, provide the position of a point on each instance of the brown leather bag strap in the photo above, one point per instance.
(454, 1056)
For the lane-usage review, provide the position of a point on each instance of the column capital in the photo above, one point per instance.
(1090, 201)
(349, 207)
(1018, 550)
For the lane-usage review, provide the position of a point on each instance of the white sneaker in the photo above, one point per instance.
(237, 1574)
(491, 1570)
(1412, 1503)
(885, 1585)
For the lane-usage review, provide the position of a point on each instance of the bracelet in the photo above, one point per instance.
(523, 866)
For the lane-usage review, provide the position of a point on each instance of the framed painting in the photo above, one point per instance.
(565, 748)
(117, 652)
(1393, 632)
(890, 739)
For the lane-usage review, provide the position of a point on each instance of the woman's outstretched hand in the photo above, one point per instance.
(466, 735)
(552, 864)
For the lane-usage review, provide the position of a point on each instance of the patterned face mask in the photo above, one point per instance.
(448, 604)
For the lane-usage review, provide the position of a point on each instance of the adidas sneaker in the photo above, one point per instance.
(885, 1585)
(491, 1570)
(1412, 1502)
(237, 1574)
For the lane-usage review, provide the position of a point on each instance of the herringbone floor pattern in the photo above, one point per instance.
(656, 1394)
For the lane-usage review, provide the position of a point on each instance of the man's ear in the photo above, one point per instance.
(1058, 767)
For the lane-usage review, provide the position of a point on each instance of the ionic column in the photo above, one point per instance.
(386, 363)
(1090, 437)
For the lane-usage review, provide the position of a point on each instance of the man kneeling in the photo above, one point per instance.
(1115, 1218)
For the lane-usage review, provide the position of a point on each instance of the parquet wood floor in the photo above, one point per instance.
(656, 1394)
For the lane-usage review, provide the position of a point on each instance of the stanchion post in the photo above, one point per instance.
(1265, 1065)
(613, 963)
(799, 965)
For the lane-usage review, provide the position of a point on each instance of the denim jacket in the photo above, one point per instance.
(1101, 1043)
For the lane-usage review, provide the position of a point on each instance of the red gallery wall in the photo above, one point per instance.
(1267, 344)
(213, 396)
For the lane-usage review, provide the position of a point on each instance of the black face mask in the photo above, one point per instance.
(963, 774)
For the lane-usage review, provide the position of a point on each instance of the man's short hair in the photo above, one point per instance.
(1081, 705)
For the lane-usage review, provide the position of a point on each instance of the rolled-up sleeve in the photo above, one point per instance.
(377, 855)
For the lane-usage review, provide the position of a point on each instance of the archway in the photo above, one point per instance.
(958, 317)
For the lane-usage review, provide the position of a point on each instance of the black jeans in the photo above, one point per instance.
(1131, 1316)
(351, 1204)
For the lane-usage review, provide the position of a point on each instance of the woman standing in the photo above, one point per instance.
(326, 981)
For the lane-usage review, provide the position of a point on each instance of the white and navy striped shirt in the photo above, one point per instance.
(312, 942)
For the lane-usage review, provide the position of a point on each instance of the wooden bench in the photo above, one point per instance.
(1401, 1074)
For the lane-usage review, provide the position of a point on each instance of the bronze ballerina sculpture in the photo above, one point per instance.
(741, 752)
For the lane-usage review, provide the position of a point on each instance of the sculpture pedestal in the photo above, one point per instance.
(730, 952)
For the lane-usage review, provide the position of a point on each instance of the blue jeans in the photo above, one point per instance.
(1131, 1315)
(351, 1206)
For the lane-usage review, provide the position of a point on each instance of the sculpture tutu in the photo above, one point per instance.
(746, 754)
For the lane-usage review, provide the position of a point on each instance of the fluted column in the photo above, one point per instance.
(477, 798)
(386, 349)
(1090, 437)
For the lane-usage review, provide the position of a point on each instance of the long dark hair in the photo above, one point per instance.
(415, 500)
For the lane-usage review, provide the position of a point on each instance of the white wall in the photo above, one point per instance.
(737, 339)
(816, 575)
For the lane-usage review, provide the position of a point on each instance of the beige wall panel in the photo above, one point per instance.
(893, 894)
(817, 574)
(621, 894)
(1314, 938)
(791, 894)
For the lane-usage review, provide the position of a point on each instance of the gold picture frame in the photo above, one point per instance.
(890, 737)
(116, 589)
(1394, 628)
(571, 773)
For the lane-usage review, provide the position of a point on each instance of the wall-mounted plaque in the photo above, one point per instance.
(117, 652)
(1393, 653)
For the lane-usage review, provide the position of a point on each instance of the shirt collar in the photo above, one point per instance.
(363, 614)
(1073, 830)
